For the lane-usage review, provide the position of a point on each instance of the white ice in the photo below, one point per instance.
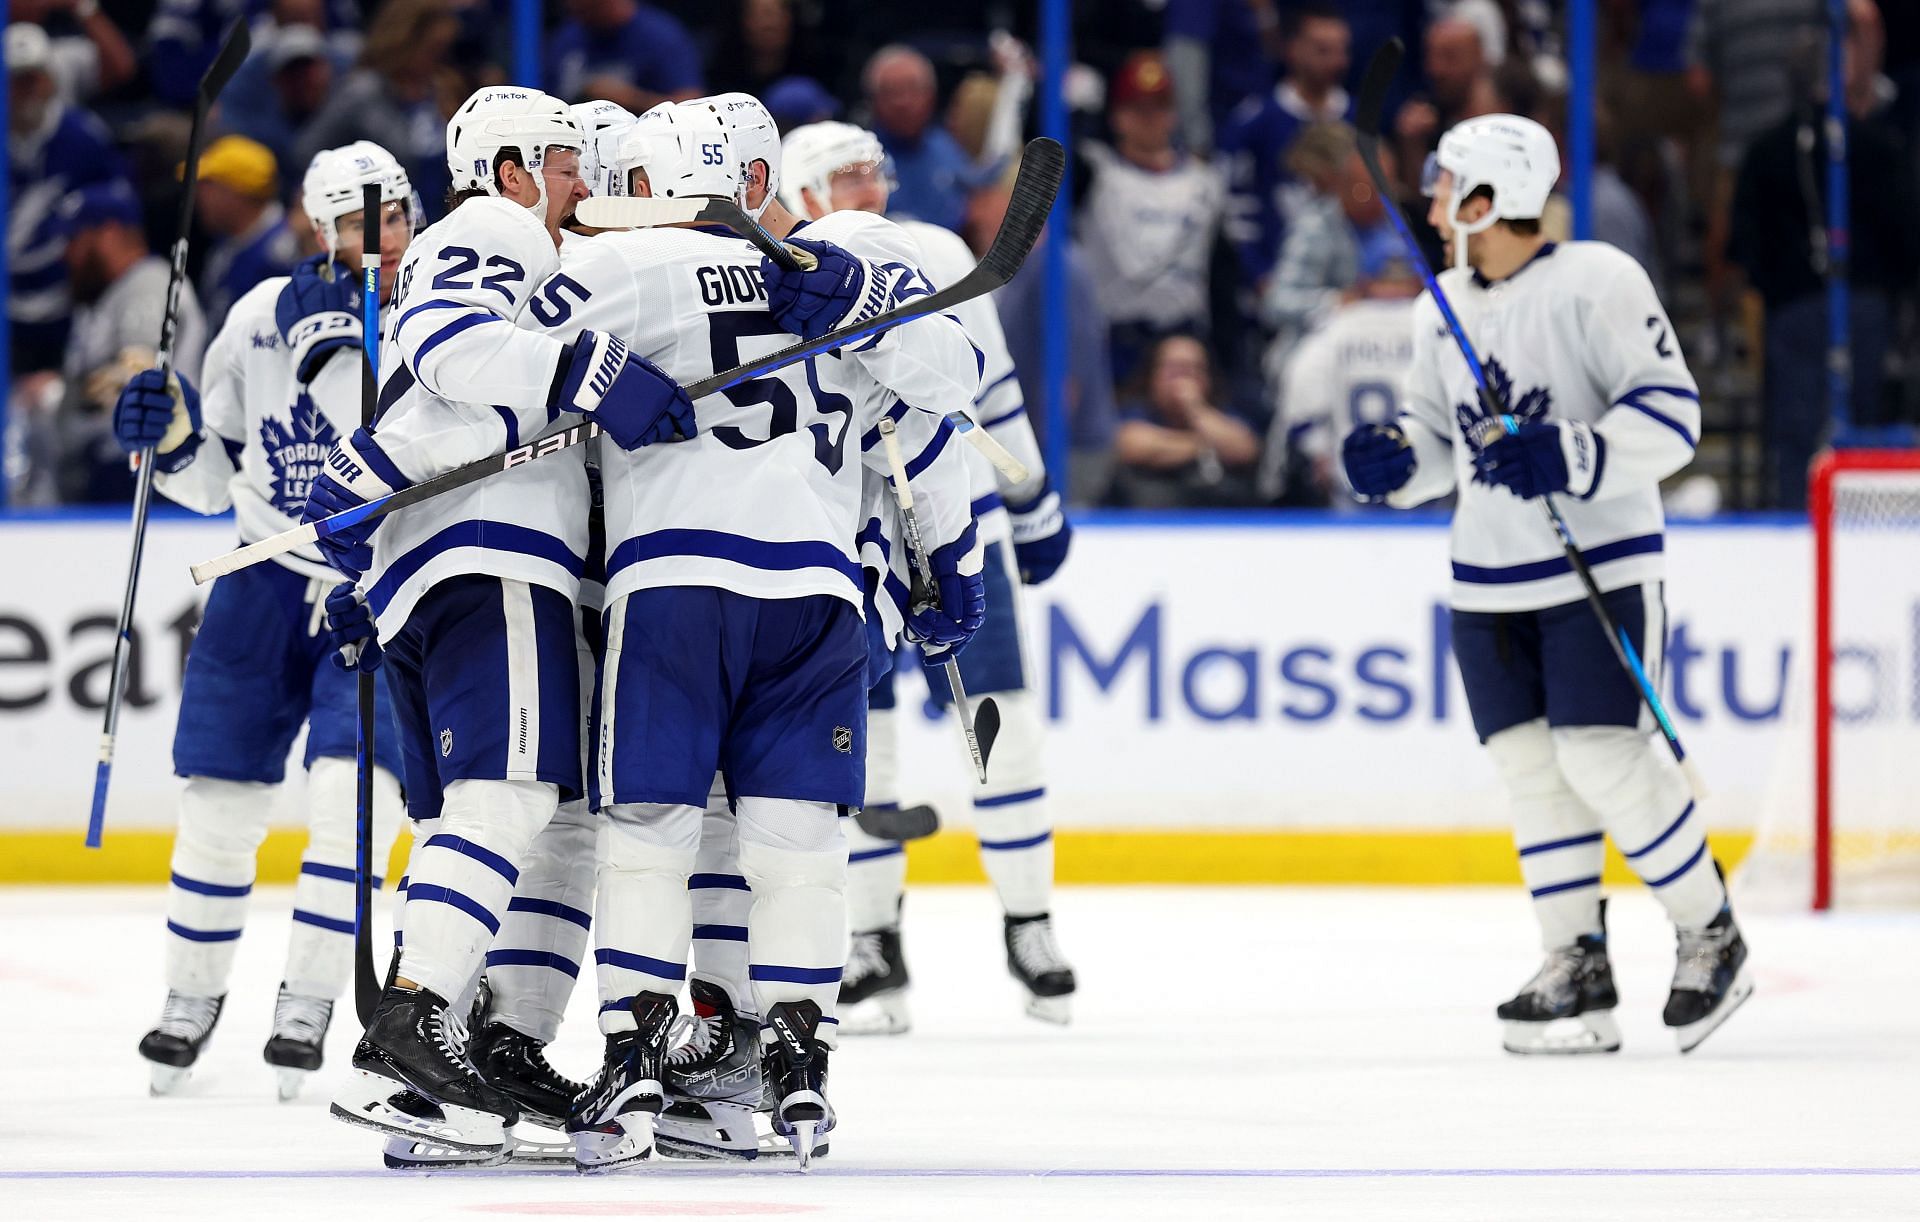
(1237, 1053)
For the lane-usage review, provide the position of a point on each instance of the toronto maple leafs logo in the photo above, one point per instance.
(295, 451)
(1479, 426)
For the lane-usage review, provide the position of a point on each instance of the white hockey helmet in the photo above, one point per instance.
(685, 150)
(502, 117)
(1513, 157)
(333, 186)
(815, 152)
(756, 137)
(603, 123)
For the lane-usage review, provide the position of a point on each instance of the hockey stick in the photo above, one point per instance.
(1041, 170)
(978, 729)
(225, 63)
(1373, 96)
(366, 985)
(899, 822)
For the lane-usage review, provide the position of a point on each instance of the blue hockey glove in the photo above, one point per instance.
(1544, 457)
(629, 396)
(318, 314)
(843, 289)
(1377, 459)
(356, 472)
(350, 631)
(1041, 535)
(950, 622)
(150, 412)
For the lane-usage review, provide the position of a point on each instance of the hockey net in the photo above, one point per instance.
(1843, 826)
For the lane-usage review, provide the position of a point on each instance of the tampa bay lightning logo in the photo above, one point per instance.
(295, 451)
(1478, 427)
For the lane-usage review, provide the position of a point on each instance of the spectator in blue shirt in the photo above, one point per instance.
(935, 178)
(236, 199)
(1216, 51)
(54, 149)
(182, 39)
(624, 52)
(296, 72)
(1256, 139)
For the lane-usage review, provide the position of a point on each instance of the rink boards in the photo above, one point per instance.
(1249, 698)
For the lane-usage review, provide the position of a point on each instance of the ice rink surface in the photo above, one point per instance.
(1236, 1053)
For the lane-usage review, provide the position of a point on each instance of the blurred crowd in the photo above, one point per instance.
(1228, 255)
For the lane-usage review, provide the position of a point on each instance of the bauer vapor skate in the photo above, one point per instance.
(175, 1042)
(1568, 1006)
(613, 1118)
(296, 1047)
(714, 1083)
(1036, 962)
(1710, 980)
(411, 1078)
(516, 1065)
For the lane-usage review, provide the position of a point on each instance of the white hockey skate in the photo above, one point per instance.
(174, 1044)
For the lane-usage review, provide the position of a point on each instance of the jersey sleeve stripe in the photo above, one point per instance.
(1539, 570)
(464, 323)
(987, 504)
(871, 437)
(438, 303)
(1636, 399)
(1003, 417)
(921, 461)
(369, 450)
(512, 423)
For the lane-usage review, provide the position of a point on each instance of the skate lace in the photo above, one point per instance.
(1034, 949)
(1699, 958)
(691, 1037)
(187, 1016)
(300, 1017)
(451, 1038)
(865, 958)
(1555, 977)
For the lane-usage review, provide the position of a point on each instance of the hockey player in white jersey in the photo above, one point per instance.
(734, 635)
(835, 168)
(1605, 408)
(258, 669)
(471, 595)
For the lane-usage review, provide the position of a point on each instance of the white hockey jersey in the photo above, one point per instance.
(1153, 236)
(458, 382)
(266, 435)
(1576, 334)
(1351, 371)
(765, 500)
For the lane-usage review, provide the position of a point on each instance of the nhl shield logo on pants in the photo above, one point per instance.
(843, 740)
(446, 743)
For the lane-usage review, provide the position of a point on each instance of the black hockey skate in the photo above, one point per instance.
(1036, 962)
(1710, 980)
(873, 990)
(411, 1078)
(295, 1049)
(612, 1121)
(714, 1083)
(1567, 1007)
(516, 1065)
(796, 1073)
(175, 1042)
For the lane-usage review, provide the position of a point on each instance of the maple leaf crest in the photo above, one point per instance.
(1479, 427)
(295, 451)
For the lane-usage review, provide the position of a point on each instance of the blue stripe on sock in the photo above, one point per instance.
(1690, 864)
(1557, 888)
(641, 963)
(215, 889)
(618, 1003)
(203, 935)
(338, 874)
(891, 850)
(794, 975)
(1662, 837)
(313, 918)
(552, 908)
(533, 958)
(721, 933)
(1568, 843)
(1009, 799)
(1002, 846)
(431, 893)
(729, 882)
(480, 853)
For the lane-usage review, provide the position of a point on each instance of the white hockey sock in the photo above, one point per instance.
(795, 856)
(876, 868)
(720, 907)
(320, 943)
(535, 960)
(221, 826)
(460, 879)
(1558, 836)
(643, 920)
(1642, 799)
(1010, 812)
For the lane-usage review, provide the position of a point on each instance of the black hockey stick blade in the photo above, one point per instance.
(226, 61)
(1381, 70)
(899, 823)
(986, 727)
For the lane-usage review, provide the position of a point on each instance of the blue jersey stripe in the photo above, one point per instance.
(465, 322)
(721, 882)
(1539, 570)
(1637, 400)
(737, 549)
(494, 536)
(987, 504)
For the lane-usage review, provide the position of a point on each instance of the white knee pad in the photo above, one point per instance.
(795, 856)
(462, 876)
(222, 824)
(536, 957)
(722, 904)
(644, 917)
(1558, 837)
(320, 943)
(1643, 801)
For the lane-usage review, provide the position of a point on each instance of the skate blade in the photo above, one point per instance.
(1594, 1031)
(1056, 1010)
(287, 1082)
(802, 1139)
(1693, 1035)
(884, 1014)
(627, 1140)
(367, 1101)
(408, 1154)
(725, 1131)
(166, 1079)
